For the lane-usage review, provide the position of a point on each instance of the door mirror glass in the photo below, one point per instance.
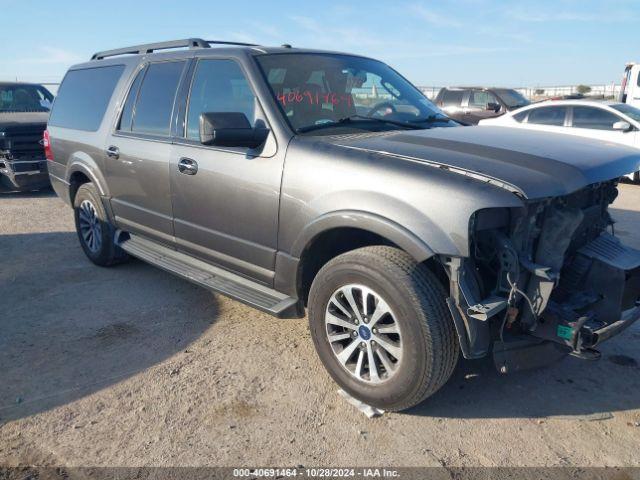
(495, 107)
(622, 126)
(230, 129)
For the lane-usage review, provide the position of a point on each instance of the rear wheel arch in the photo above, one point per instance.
(83, 169)
(76, 180)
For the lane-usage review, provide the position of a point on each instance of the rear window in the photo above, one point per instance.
(155, 100)
(548, 116)
(83, 97)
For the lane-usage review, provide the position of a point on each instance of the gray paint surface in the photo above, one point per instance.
(417, 188)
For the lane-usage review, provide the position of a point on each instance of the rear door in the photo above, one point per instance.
(139, 150)
(226, 211)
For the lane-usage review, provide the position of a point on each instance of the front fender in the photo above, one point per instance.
(362, 220)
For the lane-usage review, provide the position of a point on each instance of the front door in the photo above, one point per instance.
(225, 204)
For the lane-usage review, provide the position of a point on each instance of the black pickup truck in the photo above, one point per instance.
(24, 110)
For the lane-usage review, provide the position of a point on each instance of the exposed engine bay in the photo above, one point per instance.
(544, 280)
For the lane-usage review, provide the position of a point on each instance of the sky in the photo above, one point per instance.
(432, 43)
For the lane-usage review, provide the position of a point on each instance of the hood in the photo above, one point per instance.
(12, 120)
(533, 164)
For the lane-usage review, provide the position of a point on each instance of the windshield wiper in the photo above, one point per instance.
(352, 118)
(431, 119)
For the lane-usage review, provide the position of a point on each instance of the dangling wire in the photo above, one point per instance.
(512, 294)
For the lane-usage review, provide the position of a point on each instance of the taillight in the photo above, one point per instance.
(46, 143)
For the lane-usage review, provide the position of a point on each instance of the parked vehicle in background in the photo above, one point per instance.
(630, 87)
(257, 172)
(24, 109)
(610, 121)
(469, 105)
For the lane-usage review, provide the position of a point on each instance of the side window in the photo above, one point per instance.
(594, 118)
(83, 97)
(452, 98)
(548, 116)
(480, 99)
(218, 86)
(153, 108)
(127, 111)
(519, 117)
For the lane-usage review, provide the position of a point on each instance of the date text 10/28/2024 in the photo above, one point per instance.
(316, 472)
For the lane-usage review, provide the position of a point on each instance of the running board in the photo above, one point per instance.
(214, 278)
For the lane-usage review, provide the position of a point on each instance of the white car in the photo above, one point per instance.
(609, 121)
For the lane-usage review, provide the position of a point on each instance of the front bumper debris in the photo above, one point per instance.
(23, 175)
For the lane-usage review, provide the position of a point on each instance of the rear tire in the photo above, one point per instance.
(416, 335)
(94, 231)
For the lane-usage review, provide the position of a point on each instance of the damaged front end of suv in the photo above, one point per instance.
(544, 280)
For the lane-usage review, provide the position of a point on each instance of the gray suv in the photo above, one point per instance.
(293, 179)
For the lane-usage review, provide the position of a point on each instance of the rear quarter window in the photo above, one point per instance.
(519, 117)
(83, 97)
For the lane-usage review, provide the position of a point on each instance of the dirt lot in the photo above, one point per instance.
(130, 366)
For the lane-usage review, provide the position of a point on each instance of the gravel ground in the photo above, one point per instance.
(130, 366)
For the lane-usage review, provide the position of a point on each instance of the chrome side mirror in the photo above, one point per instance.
(622, 126)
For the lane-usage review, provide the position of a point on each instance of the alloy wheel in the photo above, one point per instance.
(90, 226)
(363, 333)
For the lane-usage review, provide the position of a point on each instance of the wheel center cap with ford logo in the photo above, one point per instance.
(364, 332)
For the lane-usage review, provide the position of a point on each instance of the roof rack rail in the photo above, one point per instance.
(152, 47)
(224, 42)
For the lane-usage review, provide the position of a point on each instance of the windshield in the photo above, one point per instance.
(512, 98)
(25, 98)
(628, 110)
(333, 94)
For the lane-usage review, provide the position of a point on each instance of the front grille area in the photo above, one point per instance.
(23, 143)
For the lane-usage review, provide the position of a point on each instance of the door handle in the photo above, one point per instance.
(113, 152)
(188, 166)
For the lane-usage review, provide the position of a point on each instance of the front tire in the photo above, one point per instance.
(94, 231)
(381, 327)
